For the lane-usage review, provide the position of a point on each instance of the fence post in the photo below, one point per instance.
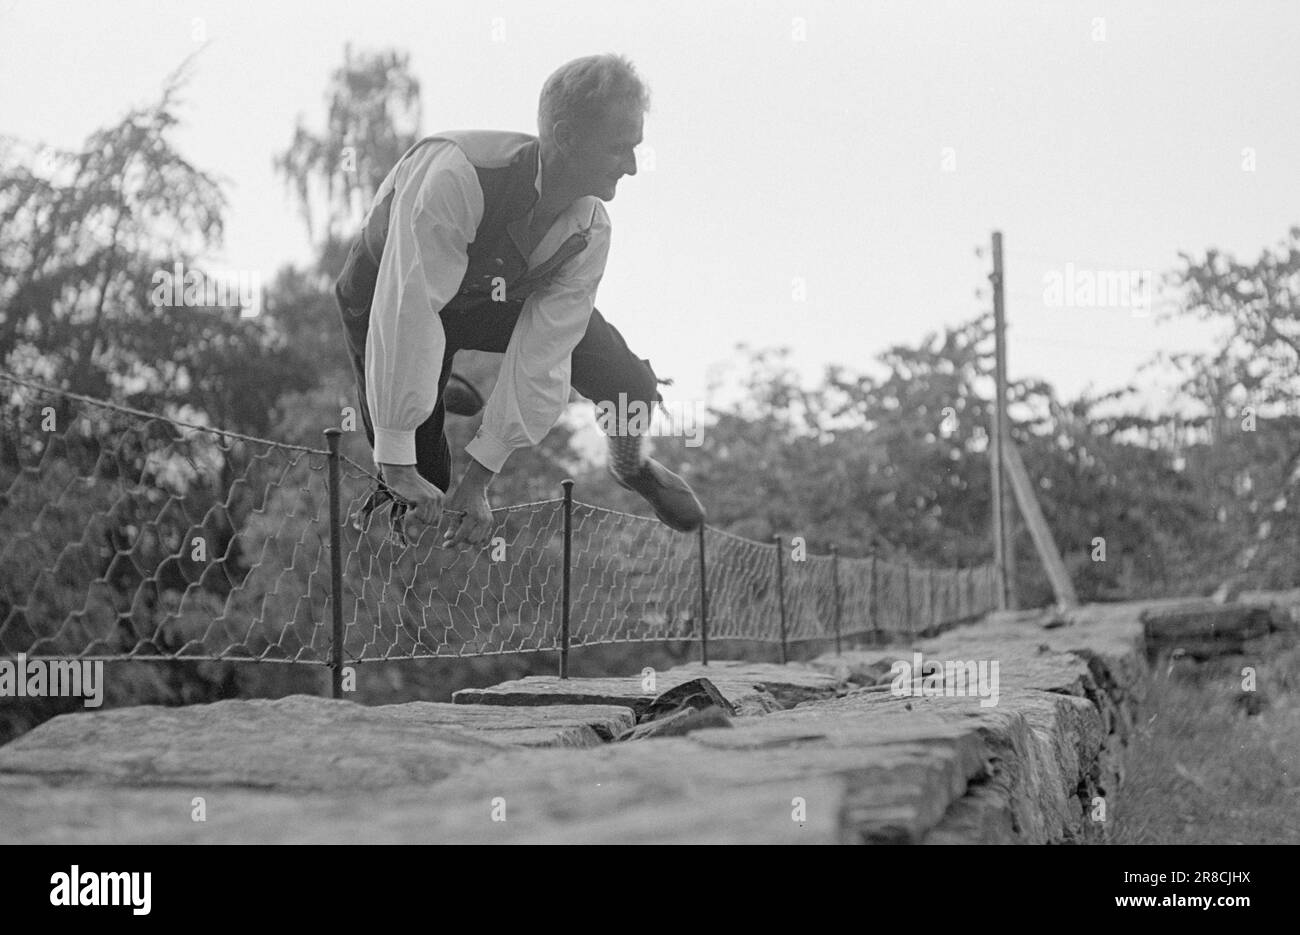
(704, 604)
(835, 582)
(933, 575)
(780, 593)
(907, 596)
(873, 601)
(332, 436)
(567, 484)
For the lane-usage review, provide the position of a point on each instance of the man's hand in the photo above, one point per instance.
(474, 528)
(406, 484)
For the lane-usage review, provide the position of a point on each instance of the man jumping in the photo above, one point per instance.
(495, 241)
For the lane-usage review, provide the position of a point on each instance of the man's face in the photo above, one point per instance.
(603, 153)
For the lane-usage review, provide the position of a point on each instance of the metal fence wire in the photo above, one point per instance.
(127, 535)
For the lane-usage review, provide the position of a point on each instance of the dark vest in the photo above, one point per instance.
(506, 165)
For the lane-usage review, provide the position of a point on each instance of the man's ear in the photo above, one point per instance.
(563, 135)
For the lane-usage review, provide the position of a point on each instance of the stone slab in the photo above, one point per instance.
(1283, 608)
(299, 742)
(1205, 629)
(539, 810)
(752, 688)
(1030, 654)
(789, 684)
(548, 726)
(1205, 619)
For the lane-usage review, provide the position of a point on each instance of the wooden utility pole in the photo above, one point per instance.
(1004, 554)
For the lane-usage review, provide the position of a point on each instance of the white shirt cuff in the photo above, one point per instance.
(488, 452)
(393, 446)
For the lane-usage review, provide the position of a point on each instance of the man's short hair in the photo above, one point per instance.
(583, 90)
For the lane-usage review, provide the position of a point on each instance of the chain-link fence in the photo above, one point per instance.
(126, 535)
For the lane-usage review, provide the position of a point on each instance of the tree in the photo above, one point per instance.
(84, 249)
(890, 463)
(101, 508)
(1247, 454)
(372, 118)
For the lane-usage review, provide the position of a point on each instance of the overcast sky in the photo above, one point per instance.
(863, 148)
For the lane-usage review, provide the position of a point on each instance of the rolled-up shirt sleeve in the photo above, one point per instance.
(532, 389)
(433, 218)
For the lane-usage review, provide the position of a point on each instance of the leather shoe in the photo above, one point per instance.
(461, 398)
(668, 495)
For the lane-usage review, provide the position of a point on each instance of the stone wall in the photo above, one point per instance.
(820, 753)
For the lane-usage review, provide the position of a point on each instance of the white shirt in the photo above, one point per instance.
(434, 217)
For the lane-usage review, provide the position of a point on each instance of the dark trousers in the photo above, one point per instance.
(602, 368)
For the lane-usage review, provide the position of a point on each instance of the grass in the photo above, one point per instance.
(1204, 769)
